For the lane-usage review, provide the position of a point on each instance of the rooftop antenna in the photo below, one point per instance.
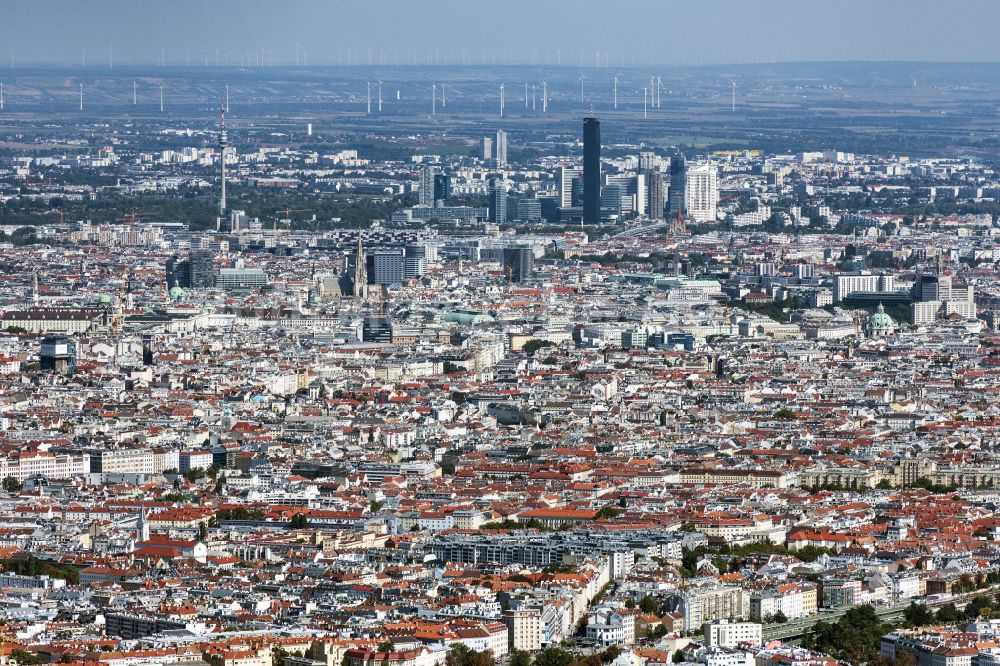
(380, 97)
(616, 92)
(734, 96)
(81, 97)
(369, 96)
(501, 100)
(227, 99)
(434, 98)
(133, 94)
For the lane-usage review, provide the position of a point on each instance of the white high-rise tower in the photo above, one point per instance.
(701, 192)
(223, 142)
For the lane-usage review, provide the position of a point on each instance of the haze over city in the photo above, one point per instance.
(445, 333)
(636, 32)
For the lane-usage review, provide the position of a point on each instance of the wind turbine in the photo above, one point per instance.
(161, 98)
(645, 95)
(582, 79)
(380, 97)
(616, 92)
(545, 96)
(227, 99)
(525, 95)
(1, 95)
(734, 96)
(81, 97)
(501, 100)
(658, 84)
(444, 99)
(434, 97)
(369, 89)
(133, 94)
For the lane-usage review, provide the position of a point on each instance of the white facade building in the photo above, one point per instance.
(701, 192)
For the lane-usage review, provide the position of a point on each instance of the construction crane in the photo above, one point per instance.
(135, 216)
(288, 218)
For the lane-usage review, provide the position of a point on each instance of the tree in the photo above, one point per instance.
(679, 657)
(855, 637)
(520, 658)
(948, 614)
(553, 656)
(609, 512)
(778, 617)
(918, 614)
(534, 344)
(278, 655)
(299, 522)
(647, 605)
(979, 606)
(26, 658)
(24, 236)
(387, 646)
(202, 531)
(11, 485)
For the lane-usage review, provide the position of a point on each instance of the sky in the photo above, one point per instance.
(570, 32)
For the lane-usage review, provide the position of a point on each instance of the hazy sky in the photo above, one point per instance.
(664, 31)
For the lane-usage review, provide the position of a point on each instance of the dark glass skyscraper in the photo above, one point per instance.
(591, 171)
(678, 180)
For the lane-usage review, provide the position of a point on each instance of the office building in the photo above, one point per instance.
(442, 187)
(498, 201)
(414, 261)
(518, 263)
(426, 190)
(723, 633)
(202, 269)
(846, 284)
(376, 328)
(611, 199)
(385, 267)
(486, 149)
(632, 190)
(57, 353)
(529, 209)
(568, 178)
(197, 271)
(648, 161)
(675, 197)
(701, 192)
(654, 195)
(500, 148)
(241, 279)
(591, 171)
